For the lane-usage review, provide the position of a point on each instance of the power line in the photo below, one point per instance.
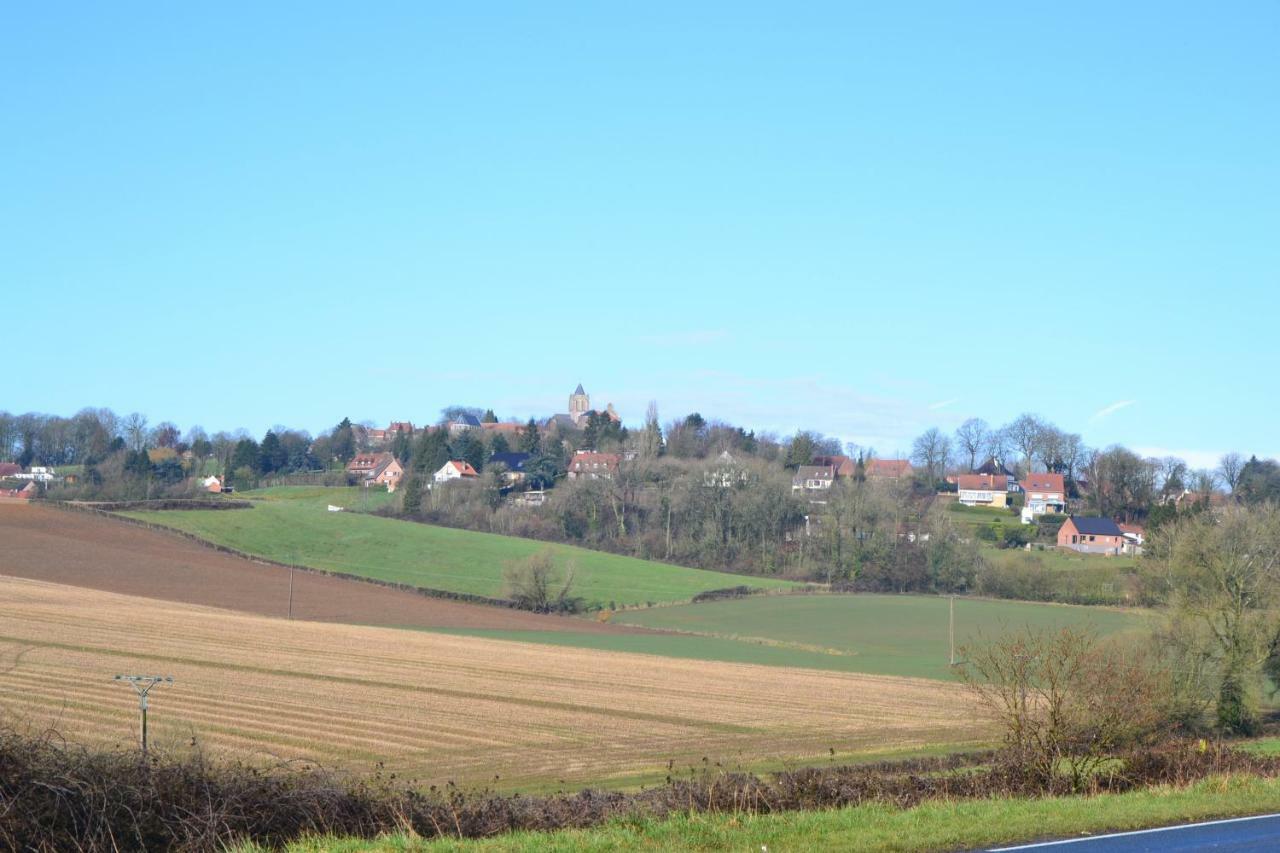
(143, 684)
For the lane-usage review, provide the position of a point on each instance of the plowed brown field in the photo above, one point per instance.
(79, 549)
(434, 706)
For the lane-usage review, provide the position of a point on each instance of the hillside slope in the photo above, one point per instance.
(295, 527)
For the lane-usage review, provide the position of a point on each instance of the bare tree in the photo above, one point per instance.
(135, 431)
(1229, 467)
(972, 437)
(651, 437)
(1073, 453)
(932, 452)
(1024, 436)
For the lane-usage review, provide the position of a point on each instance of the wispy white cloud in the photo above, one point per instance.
(1194, 458)
(1108, 411)
(942, 404)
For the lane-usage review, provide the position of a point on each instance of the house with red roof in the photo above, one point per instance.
(983, 489)
(455, 469)
(591, 464)
(1045, 493)
(8, 469)
(381, 468)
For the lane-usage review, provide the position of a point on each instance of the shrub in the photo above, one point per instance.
(537, 584)
(1067, 703)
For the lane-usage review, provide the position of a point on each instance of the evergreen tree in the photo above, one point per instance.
(469, 448)
(413, 495)
(402, 448)
(499, 445)
(271, 454)
(488, 417)
(431, 452)
(245, 455)
(531, 441)
(137, 464)
(343, 441)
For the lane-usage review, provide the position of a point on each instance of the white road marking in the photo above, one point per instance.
(1135, 832)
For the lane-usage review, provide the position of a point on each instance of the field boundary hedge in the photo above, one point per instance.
(157, 504)
(427, 592)
(76, 798)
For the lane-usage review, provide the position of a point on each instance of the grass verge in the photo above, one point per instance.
(875, 827)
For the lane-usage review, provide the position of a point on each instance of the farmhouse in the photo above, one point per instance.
(454, 469)
(887, 469)
(212, 485)
(1045, 493)
(27, 491)
(1091, 535)
(813, 478)
(589, 463)
(983, 490)
(382, 468)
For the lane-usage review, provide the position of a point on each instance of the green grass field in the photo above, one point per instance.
(875, 634)
(956, 825)
(881, 634)
(291, 524)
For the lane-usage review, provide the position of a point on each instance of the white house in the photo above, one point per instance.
(454, 469)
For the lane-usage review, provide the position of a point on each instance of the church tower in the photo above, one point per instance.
(579, 404)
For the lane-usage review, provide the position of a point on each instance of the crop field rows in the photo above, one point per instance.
(435, 707)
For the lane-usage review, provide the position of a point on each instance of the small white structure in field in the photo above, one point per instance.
(333, 508)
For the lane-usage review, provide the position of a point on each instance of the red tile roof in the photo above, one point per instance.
(583, 460)
(464, 467)
(888, 468)
(9, 468)
(982, 483)
(363, 462)
(1051, 483)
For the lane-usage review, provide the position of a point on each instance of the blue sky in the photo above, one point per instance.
(862, 219)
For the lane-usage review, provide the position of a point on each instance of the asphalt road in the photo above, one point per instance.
(1237, 834)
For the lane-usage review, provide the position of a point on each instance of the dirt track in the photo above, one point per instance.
(113, 556)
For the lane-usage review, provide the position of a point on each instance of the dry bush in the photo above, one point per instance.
(1067, 703)
(538, 584)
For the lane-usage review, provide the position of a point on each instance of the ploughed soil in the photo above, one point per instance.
(96, 552)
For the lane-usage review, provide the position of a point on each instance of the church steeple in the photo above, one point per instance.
(579, 403)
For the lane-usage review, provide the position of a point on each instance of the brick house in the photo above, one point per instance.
(381, 468)
(1091, 535)
(983, 490)
(593, 465)
(1045, 493)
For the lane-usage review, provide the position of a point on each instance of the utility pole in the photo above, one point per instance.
(143, 684)
(951, 630)
(290, 591)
